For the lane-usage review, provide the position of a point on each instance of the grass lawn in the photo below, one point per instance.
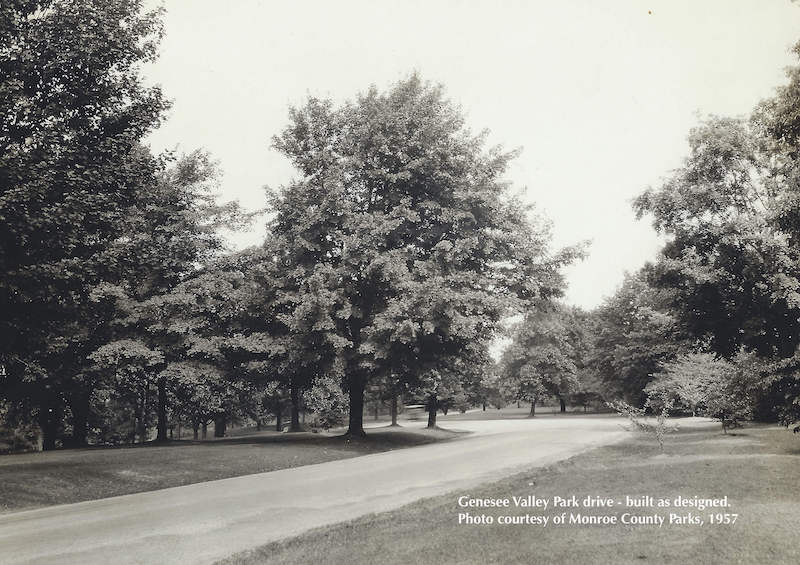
(511, 412)
(758, 468)
(33, 480)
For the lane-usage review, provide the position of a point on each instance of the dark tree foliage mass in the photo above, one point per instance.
(73, 111)
(391, 261)
(733, 261)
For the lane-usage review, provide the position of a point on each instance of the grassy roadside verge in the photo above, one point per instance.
(34, 480)
(758, 469)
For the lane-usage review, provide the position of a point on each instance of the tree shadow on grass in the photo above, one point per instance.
(379, 438)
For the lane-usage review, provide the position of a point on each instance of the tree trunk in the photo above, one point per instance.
(432, 408)
(484, 407)
(205, 429)
(355, 427)
(49, 417)
(258, 424)
(49, 434)
(563, 405)
(180, 430)
(294, 425)
(161, 436)
(394, 410)
(195, 429)
(279, 420)
(143, 415)
(79, 406)
(533, 409)
(220, 425)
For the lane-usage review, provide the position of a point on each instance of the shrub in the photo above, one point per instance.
(638, 420)
(328, 403)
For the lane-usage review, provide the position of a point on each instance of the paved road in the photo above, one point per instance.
(205, 522)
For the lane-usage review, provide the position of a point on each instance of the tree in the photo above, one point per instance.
(72, 113)
(579, 325)
(274, 401)
(730, 395)
(730, 261)
(131, 363)
(160, 295)
(494, 390)
(689, 381)
(590, 390)
(327, 402)
(452, 381)
(583, 330)
(756, 374)
(733, 260)
(389, 386)
(634, 332)
(203, 394)
(279, 337)
(541, 358)
(402, 212)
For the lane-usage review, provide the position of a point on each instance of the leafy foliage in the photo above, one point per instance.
(327, 402)
(542, 357)
(733, 259)
(401, 214)
(634, 333)
(73, 111)
(687, 381)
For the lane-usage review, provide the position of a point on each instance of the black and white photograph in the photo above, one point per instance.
(399, 282)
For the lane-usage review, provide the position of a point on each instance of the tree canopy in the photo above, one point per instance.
(73, 111)
(732, 260)
(403, 215)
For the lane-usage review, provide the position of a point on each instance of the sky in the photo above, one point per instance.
(600, 96)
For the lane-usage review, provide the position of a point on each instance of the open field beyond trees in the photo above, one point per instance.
(757, 468)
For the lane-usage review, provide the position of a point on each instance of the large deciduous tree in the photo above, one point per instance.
(403, 214)
(733, 257)
(541, 360)
(731, 260)
(171, 234)
(72, 113)
(172, 306)
(634, 332)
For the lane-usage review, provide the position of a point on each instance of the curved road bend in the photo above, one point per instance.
(204, 522)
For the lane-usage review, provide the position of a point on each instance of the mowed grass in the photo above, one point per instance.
(758, 468)
(511, 412)
(34, 480)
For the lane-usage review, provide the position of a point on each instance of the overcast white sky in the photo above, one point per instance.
(600, 95)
